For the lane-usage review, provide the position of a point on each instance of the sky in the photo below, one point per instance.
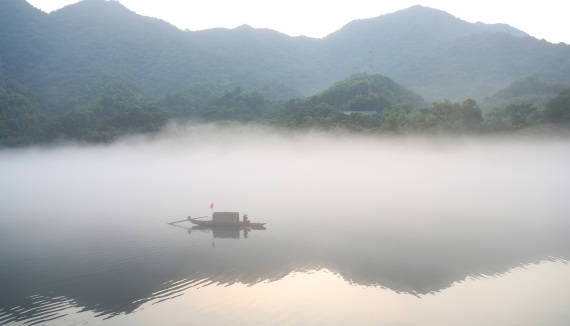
(546, 19)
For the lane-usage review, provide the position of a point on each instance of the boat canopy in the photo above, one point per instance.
(225, 217)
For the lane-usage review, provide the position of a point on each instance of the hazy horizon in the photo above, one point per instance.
(297, 18)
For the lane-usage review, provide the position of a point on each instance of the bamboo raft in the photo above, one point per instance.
(223, 220)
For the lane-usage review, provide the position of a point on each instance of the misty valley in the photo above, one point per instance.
(406, 169)
(95, 71)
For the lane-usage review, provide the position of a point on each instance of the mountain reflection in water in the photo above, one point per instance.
(101, 243)
(119, 273)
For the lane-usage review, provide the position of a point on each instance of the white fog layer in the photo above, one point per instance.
(86, 225)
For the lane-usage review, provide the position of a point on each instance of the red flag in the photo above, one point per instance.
(212, 206)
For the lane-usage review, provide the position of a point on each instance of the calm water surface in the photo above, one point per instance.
(359, 230)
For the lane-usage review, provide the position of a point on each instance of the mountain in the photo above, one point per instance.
(252, 58)
(96, 40)
(387, 44)
(22, 37)
(364, 92)
(62, 55)
(361, 94)
(530, 90)
(478, 65)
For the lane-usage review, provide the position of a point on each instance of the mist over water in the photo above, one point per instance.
(85, 226)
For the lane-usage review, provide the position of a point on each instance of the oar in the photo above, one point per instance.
(186, 219)
(179, 221)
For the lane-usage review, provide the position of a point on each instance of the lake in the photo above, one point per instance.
(360, 230)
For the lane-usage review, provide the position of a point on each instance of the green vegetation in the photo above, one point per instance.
(513, 117)
(19, 116)
(558, 109)
(439, 117)
(364, 92)
(95, 70)
(207, 102)
(61, 55)
(530, 91)
(555, 111)
(116, 108)
(99, 116)
(106, 113)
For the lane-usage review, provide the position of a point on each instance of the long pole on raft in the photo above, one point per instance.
(186, 219)
(179, 221)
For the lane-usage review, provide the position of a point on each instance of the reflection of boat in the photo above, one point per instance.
(222, 232)
(237, 225)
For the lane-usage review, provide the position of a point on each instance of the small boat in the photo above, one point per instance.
(227, 220)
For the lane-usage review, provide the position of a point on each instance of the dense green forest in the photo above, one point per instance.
(115, 109)
(401, 117)
(530, 90)
(101, 115)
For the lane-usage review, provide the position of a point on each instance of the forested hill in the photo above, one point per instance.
(59, 55)
(363, 92)
(360, 103)
(527, 91)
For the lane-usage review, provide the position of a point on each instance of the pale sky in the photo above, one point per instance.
(546, 19)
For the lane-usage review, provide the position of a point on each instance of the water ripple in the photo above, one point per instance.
(37, 309)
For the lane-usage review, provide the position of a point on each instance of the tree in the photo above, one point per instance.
(558, 109)
(448, 116)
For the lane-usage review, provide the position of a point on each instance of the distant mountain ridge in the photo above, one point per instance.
(61, 54)
(392, 43)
